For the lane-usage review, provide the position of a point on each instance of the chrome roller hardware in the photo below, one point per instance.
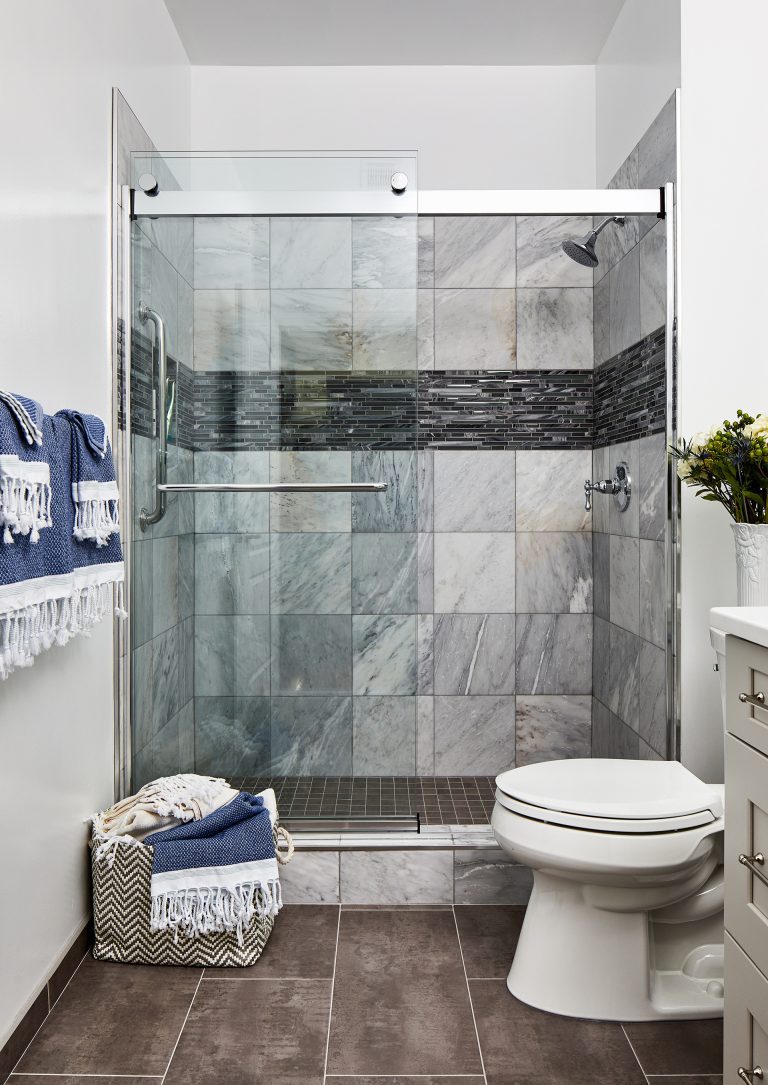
(756, 699)
(756, 1073)
(620, 486)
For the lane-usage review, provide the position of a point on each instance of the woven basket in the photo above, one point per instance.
(121, 909)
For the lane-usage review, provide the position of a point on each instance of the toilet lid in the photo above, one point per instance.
(613, 789)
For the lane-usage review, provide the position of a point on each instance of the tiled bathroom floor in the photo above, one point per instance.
(352, 996)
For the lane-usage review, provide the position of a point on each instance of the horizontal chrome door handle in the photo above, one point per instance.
(749, 1075)
(751, 863)
(756, 699)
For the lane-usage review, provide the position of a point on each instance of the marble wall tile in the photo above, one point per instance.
(474, 490)
(540, 258)
(397, 877)
(601, 655)
(165, 584)
(474, 735)
(227, 512)
(475, 573)
(475, 329)
(310, 252)
(232, 574)
(143, 482)
(384, 654)
(214, 730)
(625, 583)
(166, 677)
(425, 329)
(187, 737)
(231, 253)
(141, 600)
(628, 521)
(384, 573)
(164, 297)
(214, 655)
(311, 654)
(475, 250)
(624, 302)
(425, 736)
(396, 508)
(426, 237)
(486, 876)
(551, 728)
(384, 736)
(384, 251)
(652, 693)
(310, 573)
(186, 635)
(186, 576)
(231, 330)
(623, 677)
(384, 327)
(312, 877)
(142, 695)
(657, 155)
(474, 653)
(611, 737)
(601, 509)
(601, 321)
(554, 328)
(653, 592)
(653, 279)
(186, 331)
(554, 572)
(165, 749)
(311, 329)
(252, 655)
(251, 742)
(652, 503)
(312, 735)
(554, 653)
(178, 517)
(615, 240)
(426, 573)
(425, 485)
(173, 237)
(550, 490)
(425, 633)
(310, 512)
(601, 563)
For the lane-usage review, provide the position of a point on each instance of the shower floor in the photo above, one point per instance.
(439, 800)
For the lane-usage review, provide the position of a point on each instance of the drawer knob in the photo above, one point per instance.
(750, 1075)
(757, 699)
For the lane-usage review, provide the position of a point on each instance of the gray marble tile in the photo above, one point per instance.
(311, 654)
(540, 258)
(312, 877)
(384, 251)
(601, 509)
(426, 239)
(625, 583)
(628, 521)
(554, 653)
(231, 330)
(311, 572)
(141, 601)
(653, 279)
(601, 321)
(186, 634)
(252, 655)
(214, 726)
(310, 512)
(396, 508)
(623, 677)
(310, 252)
(425, 485)
(251, 742)
(474, 490)
(615, 241)
(552, 728)
(384, 573)
(143, 481)
(475, 250)
(652, 689)
(425, 736)
(658, 149)
(384, 736)
(601, 572)
(550, 490)
(426, 572)
(611, 737)
(232, 574)
(186, 330)
(425, 329)
(384, 654)
(164, 297)
(311, 329)
(186, 720)
(165, 584)
(645, 753)
(227, 512)
(165, 749)
(231, 253)
(166, 675)
(178, 518)
(475, 573)
(425, 633)
(653, 592)
(624, 302)
(652, 498)
(474, 653)
(475, 329)
(384, 329)
(601, 655)
(397, 877)
(474, 735)
(486, 876)
(312, 735)
(214, 655)
(142, 695)
(554, 328)
(554, 572)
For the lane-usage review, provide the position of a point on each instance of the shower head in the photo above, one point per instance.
(582, 250)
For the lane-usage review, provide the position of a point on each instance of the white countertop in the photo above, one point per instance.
(749, 623)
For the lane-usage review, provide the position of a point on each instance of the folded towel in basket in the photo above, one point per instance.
(163, 804)
(94, 487)
(216, 874)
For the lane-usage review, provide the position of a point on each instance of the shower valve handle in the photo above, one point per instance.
(602, 486)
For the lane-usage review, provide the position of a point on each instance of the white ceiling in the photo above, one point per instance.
(327, 32)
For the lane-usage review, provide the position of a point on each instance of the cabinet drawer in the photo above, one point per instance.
(746, 676)
(746, 1017)
(746, 833)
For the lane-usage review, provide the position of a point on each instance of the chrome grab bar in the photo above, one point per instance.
(272, 487)
(161, 469)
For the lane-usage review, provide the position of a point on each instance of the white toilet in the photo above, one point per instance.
(625, 921)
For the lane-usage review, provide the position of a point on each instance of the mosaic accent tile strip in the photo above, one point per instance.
(182, 429)
(630, 393)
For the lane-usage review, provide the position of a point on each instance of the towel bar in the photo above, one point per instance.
(272, 487)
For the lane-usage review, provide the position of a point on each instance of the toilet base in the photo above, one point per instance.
(577, 960)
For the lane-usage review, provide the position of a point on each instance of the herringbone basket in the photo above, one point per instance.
(121, 908)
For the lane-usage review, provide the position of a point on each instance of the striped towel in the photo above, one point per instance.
(94, 487)
(25, 473)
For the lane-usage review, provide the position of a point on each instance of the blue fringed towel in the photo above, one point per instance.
(25, 475)
(216, 874)
(94, 487)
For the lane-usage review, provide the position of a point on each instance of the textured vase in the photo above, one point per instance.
(751, 564)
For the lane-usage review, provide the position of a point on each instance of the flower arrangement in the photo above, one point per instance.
(729, 464)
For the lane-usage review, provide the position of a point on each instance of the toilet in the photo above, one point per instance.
(625, 920)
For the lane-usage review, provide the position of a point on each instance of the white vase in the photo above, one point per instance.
(751, 564)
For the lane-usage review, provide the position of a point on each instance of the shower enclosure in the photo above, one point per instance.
(359, 560)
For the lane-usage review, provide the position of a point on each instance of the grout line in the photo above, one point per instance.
(469, 994)
(183, 1025)
(330, 1006)
(632, 1049)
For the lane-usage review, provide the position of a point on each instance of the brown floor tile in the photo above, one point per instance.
(488, 935)
(12, 1051)
(476, 1079)
(697, 1079)
(302, 946)
(68, 966)
(94, 1026)
(79, 1079)
(400, 1002)
(523, 1046)
(678, 1047)
(273, 1031)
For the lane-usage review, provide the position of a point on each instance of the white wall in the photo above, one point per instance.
(637, 71)
(724, 164)
(489, 127)
(58, 63)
